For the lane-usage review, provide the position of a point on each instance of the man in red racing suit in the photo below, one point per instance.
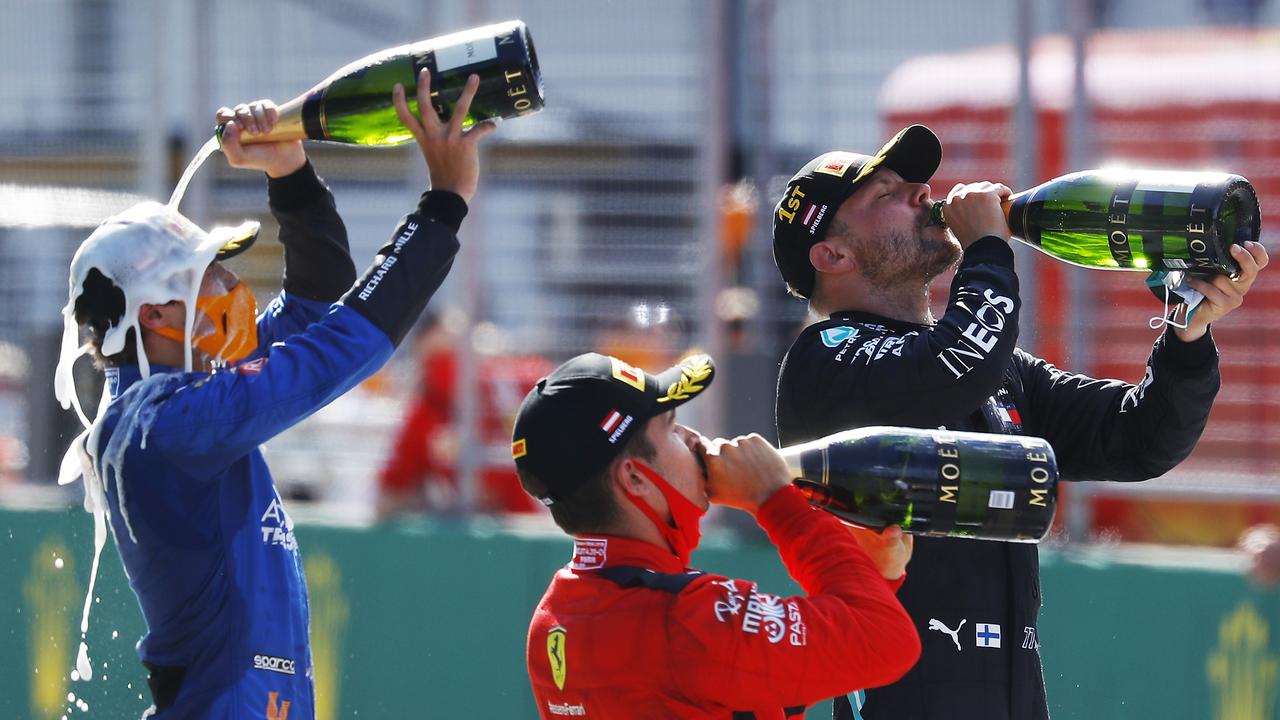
(627, 629)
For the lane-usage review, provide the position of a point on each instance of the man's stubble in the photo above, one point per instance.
(912, 256)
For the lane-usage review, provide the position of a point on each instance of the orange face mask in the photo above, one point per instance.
(235, 329)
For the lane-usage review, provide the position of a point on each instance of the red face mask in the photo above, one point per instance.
(685, 516)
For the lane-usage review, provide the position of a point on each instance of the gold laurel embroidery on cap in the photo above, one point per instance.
(246, 232)
(870, 165)
(693, 375)
(892, 141)
(878, 158)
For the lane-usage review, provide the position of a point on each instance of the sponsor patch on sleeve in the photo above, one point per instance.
(757, 613)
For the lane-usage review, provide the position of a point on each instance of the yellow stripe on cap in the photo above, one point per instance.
(878, 158)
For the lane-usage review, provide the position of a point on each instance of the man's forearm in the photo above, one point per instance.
(318, 263)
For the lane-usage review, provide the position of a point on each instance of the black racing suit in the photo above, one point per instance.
(964, 373)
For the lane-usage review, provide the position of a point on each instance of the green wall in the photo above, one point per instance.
(428, 620)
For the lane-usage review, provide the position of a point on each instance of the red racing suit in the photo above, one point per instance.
(625, 632)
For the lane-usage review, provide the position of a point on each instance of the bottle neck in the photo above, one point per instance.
(288, 126)
(792, 457)
(937, 214)
(815, 452)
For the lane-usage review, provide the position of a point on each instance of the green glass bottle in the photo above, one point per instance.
(932, 482)
(1137, 220)
(354, 104)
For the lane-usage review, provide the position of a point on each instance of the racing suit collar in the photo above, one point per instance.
(869, 318)
(122, 377)
(594, 552)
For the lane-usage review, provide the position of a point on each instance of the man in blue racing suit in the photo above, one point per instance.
(172, 458)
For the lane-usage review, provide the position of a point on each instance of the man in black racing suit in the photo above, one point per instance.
(851, 234)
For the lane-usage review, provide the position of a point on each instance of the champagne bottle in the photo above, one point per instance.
(1137, 220)
(932, 482)
(353, 105)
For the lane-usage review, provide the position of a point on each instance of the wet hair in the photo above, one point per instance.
(99, 308)
(591, 507)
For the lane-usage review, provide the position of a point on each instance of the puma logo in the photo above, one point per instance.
(935, 624)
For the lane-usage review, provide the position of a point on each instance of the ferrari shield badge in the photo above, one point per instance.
(555, 653)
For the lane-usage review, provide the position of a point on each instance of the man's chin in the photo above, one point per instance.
(942, 255)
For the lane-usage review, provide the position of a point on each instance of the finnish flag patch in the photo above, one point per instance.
(988, 635)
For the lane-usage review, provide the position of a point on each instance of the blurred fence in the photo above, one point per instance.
(602, 223)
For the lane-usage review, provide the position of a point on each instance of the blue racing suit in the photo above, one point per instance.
(206, 542)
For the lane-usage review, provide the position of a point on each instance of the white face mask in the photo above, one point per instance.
(1174, 282)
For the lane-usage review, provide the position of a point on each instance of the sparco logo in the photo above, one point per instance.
(282, 665)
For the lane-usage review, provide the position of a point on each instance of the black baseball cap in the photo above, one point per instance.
(808, 205)
(236, 240)
(576, 420)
